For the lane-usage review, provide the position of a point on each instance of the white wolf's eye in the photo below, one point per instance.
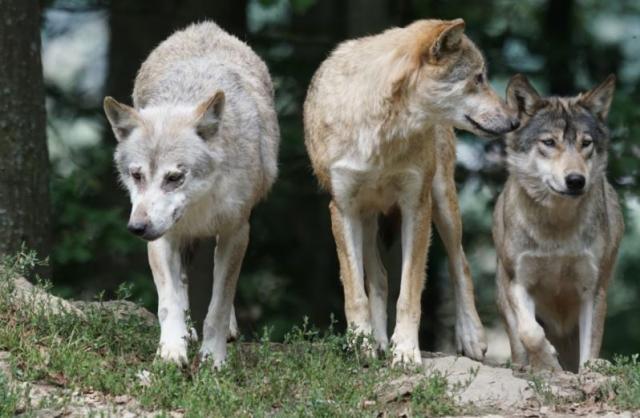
(136, 175)
(174, 177)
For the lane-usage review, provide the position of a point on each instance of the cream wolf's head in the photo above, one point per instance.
(560, 148)
(164, 159)
(446, 74)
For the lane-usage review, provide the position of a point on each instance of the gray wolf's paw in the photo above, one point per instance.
(406, 351)
(174, 351)
(470, 338)
(545, 359)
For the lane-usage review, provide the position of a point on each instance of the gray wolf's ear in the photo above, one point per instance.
(448, 39)
(123, 118)
(521, 96)
(598, 100)
(208, 115)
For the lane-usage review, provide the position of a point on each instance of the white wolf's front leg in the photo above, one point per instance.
(230, 250)
(173, 299)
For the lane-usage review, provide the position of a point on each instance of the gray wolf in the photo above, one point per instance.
(196, 152)
(557, 226)
(378, 119)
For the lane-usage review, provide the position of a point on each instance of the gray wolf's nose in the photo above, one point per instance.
(137, 228)
(575, 182)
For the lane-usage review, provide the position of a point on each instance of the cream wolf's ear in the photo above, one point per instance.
(208, 115)
(521, 96)
(448, 39)
(598, 99)
(123, 118)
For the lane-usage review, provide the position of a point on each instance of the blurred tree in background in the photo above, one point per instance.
(24, 172)
(93, 48)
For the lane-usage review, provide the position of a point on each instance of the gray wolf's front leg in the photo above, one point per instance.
(230, 250)
(173, 299)
(541, 354)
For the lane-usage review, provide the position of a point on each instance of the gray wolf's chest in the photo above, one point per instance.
(558, 281)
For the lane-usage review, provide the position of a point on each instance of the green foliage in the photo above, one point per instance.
(311, 374)
(8, 398)
(626, 386)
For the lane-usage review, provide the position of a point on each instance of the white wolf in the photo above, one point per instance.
(196, 152)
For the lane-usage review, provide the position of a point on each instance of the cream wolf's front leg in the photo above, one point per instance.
(470, 337)
(173, 299)
(416, 232)
(230, 249)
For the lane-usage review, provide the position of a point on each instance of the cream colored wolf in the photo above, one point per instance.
(196, 153)
(378, 128)
(557, 226)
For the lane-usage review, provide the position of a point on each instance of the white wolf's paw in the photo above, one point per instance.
(406, 351)
(234, 332)
(173, 351)
(470, 338)
(216, 353)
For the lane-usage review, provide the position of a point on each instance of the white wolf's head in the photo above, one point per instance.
(164, 160)
(560, 149)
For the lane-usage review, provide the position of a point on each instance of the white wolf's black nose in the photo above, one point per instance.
(575, 182)
(137, 228)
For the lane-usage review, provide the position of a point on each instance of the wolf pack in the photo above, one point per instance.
(199, 147)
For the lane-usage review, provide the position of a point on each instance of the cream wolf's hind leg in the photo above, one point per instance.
(470, 337)
(376, 280)
(230, 249)
(173, 299)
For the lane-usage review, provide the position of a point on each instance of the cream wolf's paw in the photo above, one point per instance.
(470, 338)
(174, 351)
(406, 351)
(360, 337)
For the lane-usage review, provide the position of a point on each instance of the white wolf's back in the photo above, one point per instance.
(190, 65)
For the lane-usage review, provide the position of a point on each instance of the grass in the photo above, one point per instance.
(310, 374)
(626, 386)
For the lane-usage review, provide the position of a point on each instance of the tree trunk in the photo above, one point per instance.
(24, 170)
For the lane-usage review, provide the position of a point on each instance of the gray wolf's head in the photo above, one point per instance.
(560, 148)
(163, 159)
(446, 74)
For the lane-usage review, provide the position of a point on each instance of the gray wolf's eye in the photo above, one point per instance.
(586, 143)
(548, 142)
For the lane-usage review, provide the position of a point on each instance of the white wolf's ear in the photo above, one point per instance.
(208, 115)
(598, 100)
(521, 96)
(448, 39)
(123, 118)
